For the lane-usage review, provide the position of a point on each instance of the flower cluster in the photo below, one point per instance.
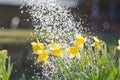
(56, 49)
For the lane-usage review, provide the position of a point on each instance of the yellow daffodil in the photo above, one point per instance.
(43, 56)
(57, 51)
(55, 48)
(74, 51)
(118, 45)
(80, 41)
(37, 46)
(98, 43)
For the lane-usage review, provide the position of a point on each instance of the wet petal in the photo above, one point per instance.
(96, 39)
(118, 47)
(119, 42)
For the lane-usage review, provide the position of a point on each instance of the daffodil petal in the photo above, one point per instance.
(118, 47)
(33, 43)
(119, 42)
(96, 39)
(78, 36)
(93, 44)
(43, 56)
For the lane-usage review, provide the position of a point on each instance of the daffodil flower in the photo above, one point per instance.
(74, 51)
(80, 41)
(55, 48)
(43, 56)
(37, 46)
(98, 43)
(118, 45)
(56, 51)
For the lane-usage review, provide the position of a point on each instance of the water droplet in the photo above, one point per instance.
(28, 19)
(15, 70)
(33, 77)
(53, 20)
(2, 28)
(22, 12)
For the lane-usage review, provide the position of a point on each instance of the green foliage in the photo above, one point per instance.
(5, 68)
(93, 64)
